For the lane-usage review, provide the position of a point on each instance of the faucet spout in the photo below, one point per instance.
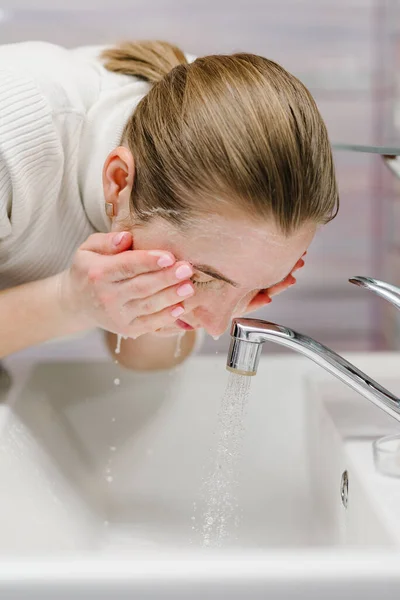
(385, 290)
(248, 336)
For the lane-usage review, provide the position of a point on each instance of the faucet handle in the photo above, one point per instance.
(389, 292)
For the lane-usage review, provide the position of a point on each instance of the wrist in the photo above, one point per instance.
(66, 305)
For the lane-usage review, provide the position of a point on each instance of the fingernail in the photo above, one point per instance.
(177, 312)
(165, 260)
(183, 272)
(185, 290)
(117, 239)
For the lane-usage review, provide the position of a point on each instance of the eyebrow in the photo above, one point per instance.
(217, 275)
(214, 273)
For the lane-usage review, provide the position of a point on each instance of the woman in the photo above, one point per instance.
(149, 195)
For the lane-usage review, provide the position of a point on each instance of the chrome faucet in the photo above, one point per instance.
(248, 335)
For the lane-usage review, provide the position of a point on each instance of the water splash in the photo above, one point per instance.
(119, 340)
(118, 347)
(178, 349)
(219, 490)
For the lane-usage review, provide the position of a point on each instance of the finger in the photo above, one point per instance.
(147, 284)
(136, 262)
(157, 302)
(260, 300)
(282, 286)
(300, 263)
(108, 243)
(150, 323)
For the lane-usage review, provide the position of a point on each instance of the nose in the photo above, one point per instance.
(215, 319)
(215, 326)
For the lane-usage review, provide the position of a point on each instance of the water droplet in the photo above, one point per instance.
(193, 518)
(178, 349)
(109, 479)
(113, 448)
(117, 381)
(118, 348)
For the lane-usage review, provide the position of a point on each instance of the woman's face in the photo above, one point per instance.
(233, 261)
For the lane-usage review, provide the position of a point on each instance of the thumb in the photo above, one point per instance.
(108, 243)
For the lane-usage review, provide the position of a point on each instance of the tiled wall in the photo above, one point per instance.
(335, 47)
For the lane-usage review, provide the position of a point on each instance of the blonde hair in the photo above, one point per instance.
(225, 130)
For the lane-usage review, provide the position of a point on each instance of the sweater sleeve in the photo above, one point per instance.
(28, 142)
(39, 82)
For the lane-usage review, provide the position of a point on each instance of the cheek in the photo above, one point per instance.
(217, 301)
(251, 302)
(243, 303)
(209, 294)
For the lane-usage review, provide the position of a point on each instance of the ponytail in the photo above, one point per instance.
(147, 60)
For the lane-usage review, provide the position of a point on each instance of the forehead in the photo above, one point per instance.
(252, 254)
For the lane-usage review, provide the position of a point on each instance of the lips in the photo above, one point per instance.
(183, 325)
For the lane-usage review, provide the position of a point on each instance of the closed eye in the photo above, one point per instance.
(201, 284)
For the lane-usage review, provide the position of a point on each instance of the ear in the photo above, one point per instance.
(118, 178)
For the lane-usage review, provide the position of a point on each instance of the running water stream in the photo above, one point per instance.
(219, 490)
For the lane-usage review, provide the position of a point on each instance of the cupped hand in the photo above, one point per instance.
(125, 291)
(265, 296)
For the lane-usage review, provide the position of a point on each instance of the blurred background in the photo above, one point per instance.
(348, 53)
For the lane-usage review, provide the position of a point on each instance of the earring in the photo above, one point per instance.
(109, 209)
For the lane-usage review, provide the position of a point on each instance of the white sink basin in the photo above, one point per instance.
(98, 483)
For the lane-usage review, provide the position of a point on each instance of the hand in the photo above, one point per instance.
(265, 296)
(125, 291)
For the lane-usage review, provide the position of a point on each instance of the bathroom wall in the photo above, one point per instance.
(340, 49)
(390, 186)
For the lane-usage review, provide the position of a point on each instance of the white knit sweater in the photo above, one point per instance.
(61, 113)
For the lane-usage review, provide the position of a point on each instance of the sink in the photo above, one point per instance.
(99, 482)
(97, 467)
